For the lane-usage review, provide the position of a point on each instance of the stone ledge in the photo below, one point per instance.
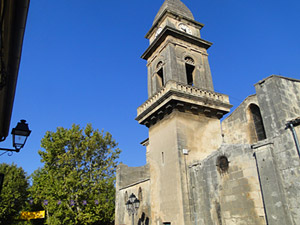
(276, 76)
(134, 184)
(169, 31)
(262, 143)
(174, 15)
(176, 95)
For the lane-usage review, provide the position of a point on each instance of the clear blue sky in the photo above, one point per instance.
(81, 62)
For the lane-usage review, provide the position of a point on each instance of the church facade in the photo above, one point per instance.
(199, 170)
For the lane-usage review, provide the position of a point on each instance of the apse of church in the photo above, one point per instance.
(199, 172)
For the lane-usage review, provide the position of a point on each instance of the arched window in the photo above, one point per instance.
(189, 68)
(222, 164)
(258, 122)
(160, 73)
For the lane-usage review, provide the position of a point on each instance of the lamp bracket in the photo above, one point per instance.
(10, 150)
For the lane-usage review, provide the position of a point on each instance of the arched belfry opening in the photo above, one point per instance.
(189, 69)
(160, 74)
(256, 120)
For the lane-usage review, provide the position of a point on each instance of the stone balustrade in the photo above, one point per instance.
(186, 89)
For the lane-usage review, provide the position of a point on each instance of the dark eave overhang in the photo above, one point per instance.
(13, 28)
(169, 31)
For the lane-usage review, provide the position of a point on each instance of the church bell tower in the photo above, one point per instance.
(176, 52)
(182, 111)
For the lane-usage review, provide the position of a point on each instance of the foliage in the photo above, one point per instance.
(79, 168)
(14, 193)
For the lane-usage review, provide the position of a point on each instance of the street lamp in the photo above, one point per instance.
(20, 134)
(132, 206)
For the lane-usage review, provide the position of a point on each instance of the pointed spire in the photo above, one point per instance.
(175, 6)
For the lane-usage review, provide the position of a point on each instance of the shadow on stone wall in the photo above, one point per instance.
(143, 220)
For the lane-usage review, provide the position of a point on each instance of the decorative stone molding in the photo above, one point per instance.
(172, 85)
(182, 97)
(189, 60)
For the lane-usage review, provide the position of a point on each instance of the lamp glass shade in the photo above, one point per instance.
(20, 134)
(128, 205)
(19, 141)
(136, 203)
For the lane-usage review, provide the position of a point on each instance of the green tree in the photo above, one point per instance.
(14, 193)
(77, 182)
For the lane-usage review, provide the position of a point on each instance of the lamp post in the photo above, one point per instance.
(132, 206)
(20, 134)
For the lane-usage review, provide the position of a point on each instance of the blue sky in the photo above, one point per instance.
(81, 63)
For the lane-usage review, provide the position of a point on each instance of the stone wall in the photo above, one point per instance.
(142, 192)
(230, 196)
(238, 127)
(127, 176)
(166, 188)
(276, 205)
(134, 180)
(279, 99)
(277, 158)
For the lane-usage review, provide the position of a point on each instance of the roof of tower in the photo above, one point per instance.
(175, 6)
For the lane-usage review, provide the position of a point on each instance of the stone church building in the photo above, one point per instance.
(201, 171)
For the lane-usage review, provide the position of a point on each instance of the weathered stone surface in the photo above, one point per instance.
(134, 180)
(175, 6)
(238, 127)
(244, 170)
(280, 99)
(230, 197)
(127, 176)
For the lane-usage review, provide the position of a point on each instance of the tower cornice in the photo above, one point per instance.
(169, 31)
(183, 97)
(168, 12)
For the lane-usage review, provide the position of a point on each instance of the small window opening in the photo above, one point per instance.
(189, 68)
(222, 164)
(166, 223)
(163, 158)
(258, 122)
(189, 74)
(160, 74)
